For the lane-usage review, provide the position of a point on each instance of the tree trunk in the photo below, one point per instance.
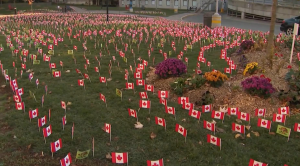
(270, 47)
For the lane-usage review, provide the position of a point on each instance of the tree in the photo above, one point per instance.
(270, 47)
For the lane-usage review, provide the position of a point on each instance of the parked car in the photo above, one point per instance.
(287, 25)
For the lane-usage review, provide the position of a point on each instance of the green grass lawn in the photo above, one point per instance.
(89, 113)
(25, 6)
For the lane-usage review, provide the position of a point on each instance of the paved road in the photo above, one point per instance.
(230, 21)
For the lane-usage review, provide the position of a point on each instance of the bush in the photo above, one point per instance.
(206, 98)
(293, 95)
(245, 45)
(170, 67)
(215, 78)
(251, 68)
(258, 86)
(181, 85)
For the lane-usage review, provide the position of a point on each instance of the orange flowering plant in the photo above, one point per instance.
(215, 78)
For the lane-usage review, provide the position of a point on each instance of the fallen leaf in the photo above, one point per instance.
(255, 133)
(214, 122)
(248, 135)
(15, 136)
(108, 156)
(50, 92)
(3, 86)
(68, 71)
(237, 136)
(108, 144)
(69, 103)
(200, 142)
(29, 146)
(152, 135)
(248, 127)
(238, 121)
(42, 153)
(220, 130)
(223, 109)
(271, 133)
(148, 119)
(109, 79)
(183, 120)
(138, 125)
(116, 138)
(72, 85)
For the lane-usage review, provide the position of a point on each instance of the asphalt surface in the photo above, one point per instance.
(230, 21)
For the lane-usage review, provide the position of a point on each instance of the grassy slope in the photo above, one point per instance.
(89, 115)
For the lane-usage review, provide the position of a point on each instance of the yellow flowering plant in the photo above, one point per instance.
(215, 78)
(250, 68)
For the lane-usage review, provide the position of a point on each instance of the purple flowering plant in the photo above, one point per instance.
(170, 67)
(259, 86)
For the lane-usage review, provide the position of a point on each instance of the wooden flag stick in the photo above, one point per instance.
(45, 139)
(93, 147)
(110, 135)
(52, 155)
(185, 137)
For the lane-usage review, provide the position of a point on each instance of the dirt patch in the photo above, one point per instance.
(230, 94)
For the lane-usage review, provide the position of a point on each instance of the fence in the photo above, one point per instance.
(289, 3)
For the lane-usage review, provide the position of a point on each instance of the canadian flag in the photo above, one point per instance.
(37, 82)
(24, 66)
(129, 85)
(149, 88)
(244, 116)
(141, 66)
(217, 115)
(78, 71)
(209, 126)
(63, 104)
(284, 110)
(279, 118)
(132, 112)
(61, 63)
(170, 110)
(188, 106)
(102, 97)
(256, 163)
(206, 108)
(145, 103)
(227, 70)
(66, 161)
(64, 120)
(297, 127)
(160, 121)
(55, 146)
(143, 95)
(17, 98)
(233, 111)
(182, 100)
(238, 128)
(138, 75)
(50, 47)
(33, 113)
(138, 70)
(107, 127)
(47, 131)
(81, 82)
(75, 47)
(145, 63)
(163, 94)
(119, 157)
(56, 74)
(52, 65)
(181, 130)
(86, 76)
(163, 101)
(42, 121)
(102, 79)
(96, 69)
(140, 82)
(214, 140)
(194, 113)
(264, 123)
(155, 163)
(20, 91)
(260, 112)
(126, 77)
(46, 58)
(20, 106)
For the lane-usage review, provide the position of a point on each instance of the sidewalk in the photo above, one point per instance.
(176, 17)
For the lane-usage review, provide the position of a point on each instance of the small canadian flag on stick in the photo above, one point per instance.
(181, 130)
(256, 163)
(209, 126)
(214, 140)
(133, 113)
(119, 158)
(107, 128)
(160, 121)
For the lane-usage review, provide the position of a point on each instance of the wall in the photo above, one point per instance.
(283, 12)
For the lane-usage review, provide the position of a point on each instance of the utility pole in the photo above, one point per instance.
(106, 10)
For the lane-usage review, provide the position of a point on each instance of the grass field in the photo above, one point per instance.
(89, 113)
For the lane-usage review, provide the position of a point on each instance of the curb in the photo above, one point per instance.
(187, 16)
